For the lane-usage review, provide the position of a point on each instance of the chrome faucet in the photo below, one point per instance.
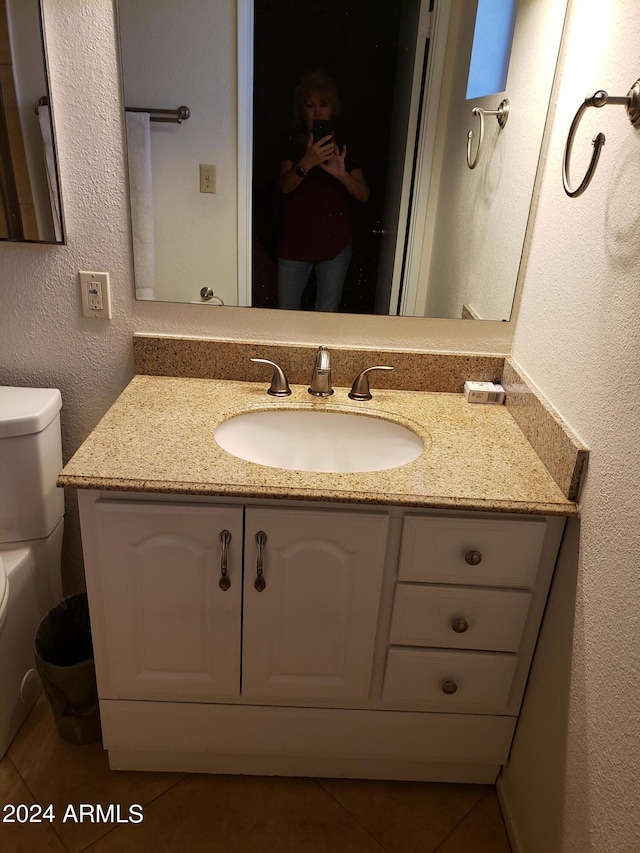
(321, 377)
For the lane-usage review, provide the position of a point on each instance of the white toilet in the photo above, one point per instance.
(31, 524)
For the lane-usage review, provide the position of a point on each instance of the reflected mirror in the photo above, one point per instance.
(30, 205)
(435, 238)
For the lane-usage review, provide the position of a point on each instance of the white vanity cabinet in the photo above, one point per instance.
(171, 614)
(382, 642)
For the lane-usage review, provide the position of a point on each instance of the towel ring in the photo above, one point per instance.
(598, 99)
(502, 114)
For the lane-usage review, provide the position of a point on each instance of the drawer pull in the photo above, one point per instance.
(449, 687)
(460, 626)
(261, 539)
(225, 583)
(473, 558)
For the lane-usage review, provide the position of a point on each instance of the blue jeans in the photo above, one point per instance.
(330, 275)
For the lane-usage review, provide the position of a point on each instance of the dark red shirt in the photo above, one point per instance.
(316, 221)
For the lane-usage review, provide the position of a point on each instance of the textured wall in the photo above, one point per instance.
(577, 750)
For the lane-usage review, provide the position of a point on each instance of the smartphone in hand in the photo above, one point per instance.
(321, 128)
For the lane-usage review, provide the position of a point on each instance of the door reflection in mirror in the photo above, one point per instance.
(316, 218)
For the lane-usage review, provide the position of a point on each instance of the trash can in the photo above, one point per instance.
(64, 660)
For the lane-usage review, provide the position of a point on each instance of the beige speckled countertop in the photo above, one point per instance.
(159, 437)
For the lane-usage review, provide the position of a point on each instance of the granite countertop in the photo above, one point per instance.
(159, 437)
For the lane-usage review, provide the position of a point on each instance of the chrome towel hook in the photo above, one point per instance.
(598, 99)
(502, 114)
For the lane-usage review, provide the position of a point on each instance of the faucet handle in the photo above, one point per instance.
(360, 388)
(279, 385)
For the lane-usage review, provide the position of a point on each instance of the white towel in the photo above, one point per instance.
(141, 196)
(44, 119)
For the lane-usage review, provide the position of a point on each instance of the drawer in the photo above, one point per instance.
(472, 551)
(459, 617)
(448, 680)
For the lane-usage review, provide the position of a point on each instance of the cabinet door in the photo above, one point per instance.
(310, 633)
(171, 630)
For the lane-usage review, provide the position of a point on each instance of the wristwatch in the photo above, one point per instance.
(300, 172)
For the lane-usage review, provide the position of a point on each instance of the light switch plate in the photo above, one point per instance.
(96, 295)
(207, 178)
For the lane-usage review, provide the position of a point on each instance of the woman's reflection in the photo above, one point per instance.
(318, 175)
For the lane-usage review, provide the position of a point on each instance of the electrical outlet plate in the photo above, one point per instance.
(96, 295)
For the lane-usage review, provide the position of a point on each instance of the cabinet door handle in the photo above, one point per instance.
(225, 539)
(449, 687)
(261, 539)
(460, 626)
(473, 558)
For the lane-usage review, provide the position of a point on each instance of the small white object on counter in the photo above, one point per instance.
(484, 392)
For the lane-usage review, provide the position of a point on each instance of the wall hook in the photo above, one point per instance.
(598, 99)
(501, 114)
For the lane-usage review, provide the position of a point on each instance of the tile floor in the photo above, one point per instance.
(189, 813)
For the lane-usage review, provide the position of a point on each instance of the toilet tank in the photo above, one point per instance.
(30, 460)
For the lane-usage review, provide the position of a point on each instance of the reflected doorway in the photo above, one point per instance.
(368, 47)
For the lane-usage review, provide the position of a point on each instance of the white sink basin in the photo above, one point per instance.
(336, 442)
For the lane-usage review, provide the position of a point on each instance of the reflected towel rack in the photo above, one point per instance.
(501, 114)
(599, 99)
(172, 116)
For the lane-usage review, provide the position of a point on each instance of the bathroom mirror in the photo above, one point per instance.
(436, 239)
(30, 203)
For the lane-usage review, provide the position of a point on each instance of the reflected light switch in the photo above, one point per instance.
(207, 178)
